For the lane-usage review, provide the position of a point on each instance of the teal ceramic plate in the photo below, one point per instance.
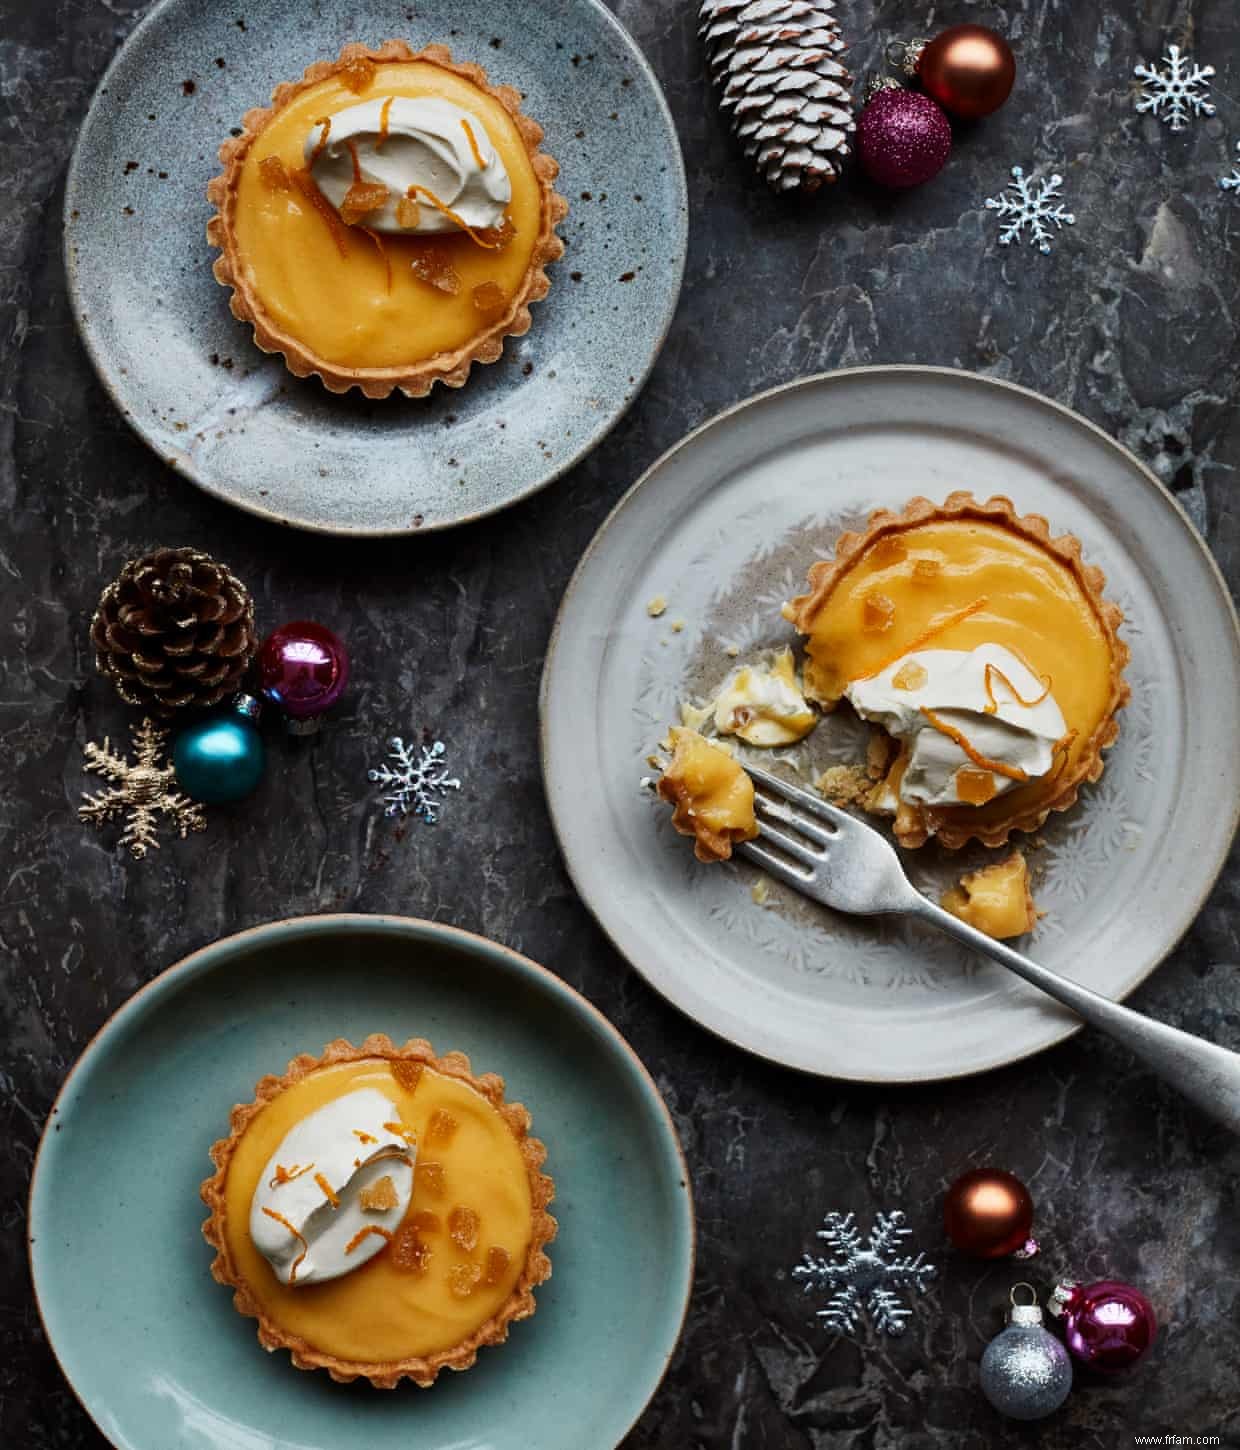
(154, 1348)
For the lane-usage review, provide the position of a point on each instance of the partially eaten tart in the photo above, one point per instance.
(711, 793)
(986, 651)
(387, 221)
(380, 1211)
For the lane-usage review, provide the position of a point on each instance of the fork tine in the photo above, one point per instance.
(791, 846)
(813, 805)
(776, 810)
(775, 865)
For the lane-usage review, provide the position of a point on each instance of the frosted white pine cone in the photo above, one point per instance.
(788, 97)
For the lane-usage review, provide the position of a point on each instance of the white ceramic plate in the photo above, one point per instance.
(725, 525)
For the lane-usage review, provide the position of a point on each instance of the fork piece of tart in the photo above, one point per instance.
(380, 1211)
(985, 649)
(711, 793)
(387, 220)
(995, 899)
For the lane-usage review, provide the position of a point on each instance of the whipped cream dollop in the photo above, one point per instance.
(987, 696)
(402, 143)
(323, 1187)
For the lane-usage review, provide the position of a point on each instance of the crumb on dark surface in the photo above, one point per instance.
(627, 276)
(576, 276)
(496, 42)
(188, 88)
(128, 210)
(580, 135)
(220, 61)
(417, 521)
(527, 369)
(587, 196)
(130, 166)
(163, 175)
(240, 24)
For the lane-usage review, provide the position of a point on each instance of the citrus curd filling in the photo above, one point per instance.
(354, 298)
(956, 585)
(470, 1178)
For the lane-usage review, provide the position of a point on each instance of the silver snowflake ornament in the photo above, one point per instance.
(1177, 92)
(418, 781)
(1231, 182)
(1029, 209)
(864, 1274)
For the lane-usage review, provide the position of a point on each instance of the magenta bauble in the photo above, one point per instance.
(303, 669)
(1107, 1325)
(903, 138)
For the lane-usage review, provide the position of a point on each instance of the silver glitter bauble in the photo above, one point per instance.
(1025, 1372)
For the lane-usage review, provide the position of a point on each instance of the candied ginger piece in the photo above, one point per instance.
(442, 1128)
(463, 1279)
(429, 1175)
(489, 299)
(497, 1265)
(425, 1222)
(359, 74)
(463, 1226)
(410, 1254)
(408, 213)
(433, 268)
(926, 569)
(890, 549)
(380, 1196)
(360, 200)
(407, 1074)
(878, 613)
(975, 787)
(910, 676)
(496, 237)
(275, 174)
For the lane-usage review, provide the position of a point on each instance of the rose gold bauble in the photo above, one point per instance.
(988, 1213)
(969, 70)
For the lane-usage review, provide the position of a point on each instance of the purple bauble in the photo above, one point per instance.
(303, 669)
(903, 138)
(1107, 1325)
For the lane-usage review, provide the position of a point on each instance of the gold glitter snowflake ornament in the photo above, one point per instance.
(141, 791)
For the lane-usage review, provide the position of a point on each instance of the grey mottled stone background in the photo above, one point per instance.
(1131, 321)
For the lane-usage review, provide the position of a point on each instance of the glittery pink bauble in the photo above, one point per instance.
(903, 138)
(1108, 1325)
(303, 669)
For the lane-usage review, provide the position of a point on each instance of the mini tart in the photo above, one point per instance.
(711, 793)
(284, 262)
(365, 1324)
(954, 576)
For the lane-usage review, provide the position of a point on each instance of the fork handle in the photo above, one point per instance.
(1206, 1074)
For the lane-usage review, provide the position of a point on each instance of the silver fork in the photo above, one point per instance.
(832, 857)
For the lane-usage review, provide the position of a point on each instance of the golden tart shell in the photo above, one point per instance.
(950, 825)
(450, 367)
(421, 1369)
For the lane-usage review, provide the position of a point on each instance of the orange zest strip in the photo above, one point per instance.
(326, 123)
(996, 767)
(364, 1137)
(362, 1233)
(415, 191)
(328, 1192)
(927, 634)
(387, 264)
(357, 165)
(402, 1132)
(305, 1247)
(473, 145)
(993, 706)
(285, 1175)
(1063, 748)
(308, 187)
(383, 122)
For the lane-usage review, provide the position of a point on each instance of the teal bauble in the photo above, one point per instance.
(220, 758)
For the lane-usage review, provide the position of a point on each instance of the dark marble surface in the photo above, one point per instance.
(1131, 321)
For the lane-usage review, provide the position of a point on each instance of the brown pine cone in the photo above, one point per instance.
(174, 632)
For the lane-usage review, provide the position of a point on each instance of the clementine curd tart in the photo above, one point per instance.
(380, 1211)
(386, 222)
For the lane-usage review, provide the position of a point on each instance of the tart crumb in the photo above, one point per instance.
(760, 891)
(656, 606)
(845, 785)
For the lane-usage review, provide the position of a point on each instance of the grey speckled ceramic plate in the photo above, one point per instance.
(186, 374)
(725, 526)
